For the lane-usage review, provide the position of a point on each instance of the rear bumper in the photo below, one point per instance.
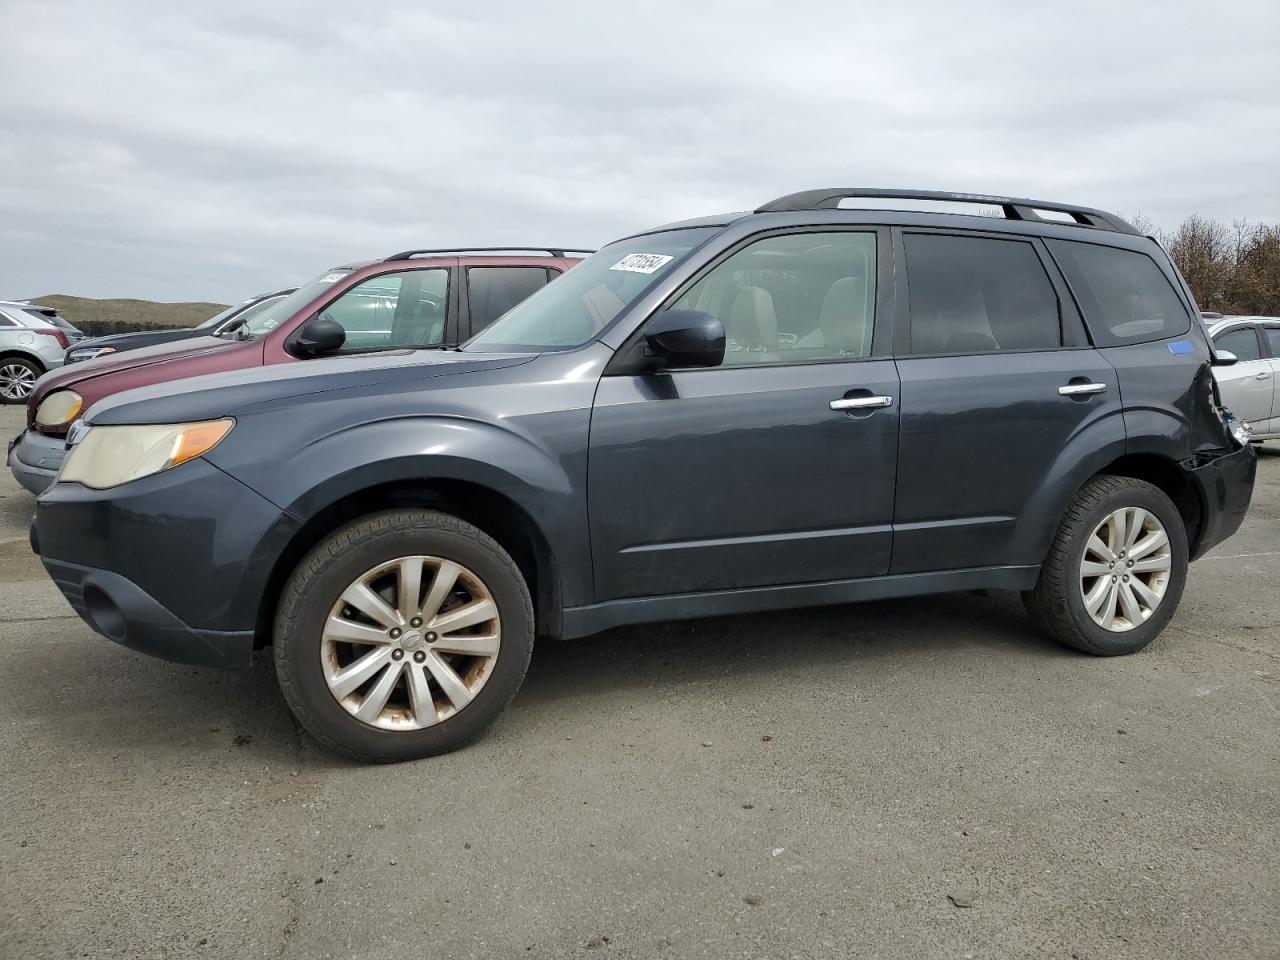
(120, 610)
(1225, 485)
(34, 459)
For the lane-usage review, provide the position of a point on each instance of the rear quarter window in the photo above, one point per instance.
(1124, 296)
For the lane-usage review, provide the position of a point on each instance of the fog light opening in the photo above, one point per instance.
(104, 614)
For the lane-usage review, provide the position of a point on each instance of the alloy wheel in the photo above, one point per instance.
(1125, 569)
(410, 642)
(16, 381)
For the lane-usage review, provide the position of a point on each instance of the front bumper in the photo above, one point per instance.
(35, 459)
(1225, 485)
(120, 610)
(174, 565)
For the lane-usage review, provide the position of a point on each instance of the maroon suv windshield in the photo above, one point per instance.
(283, 309)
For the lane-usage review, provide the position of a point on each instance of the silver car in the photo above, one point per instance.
(1248, 387)
(33, 339)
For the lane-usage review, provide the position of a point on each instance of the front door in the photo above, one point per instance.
(1247, 386)
(776, 467)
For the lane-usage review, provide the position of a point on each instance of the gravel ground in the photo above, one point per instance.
(908, 779)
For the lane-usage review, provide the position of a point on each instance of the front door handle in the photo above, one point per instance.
(1262, 376)
(861, 403)
(1082, 389)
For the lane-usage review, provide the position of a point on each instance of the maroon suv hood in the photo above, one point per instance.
(93, 379)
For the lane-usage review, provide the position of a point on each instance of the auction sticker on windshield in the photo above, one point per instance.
(641, 262)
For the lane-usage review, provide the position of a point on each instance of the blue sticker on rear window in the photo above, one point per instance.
(1181, 346)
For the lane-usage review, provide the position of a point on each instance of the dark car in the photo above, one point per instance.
(224, 321)
(416, 299)
(798, 406)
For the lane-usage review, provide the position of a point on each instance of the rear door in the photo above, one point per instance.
(1247, 386)
(997, 379)
(1271, 339)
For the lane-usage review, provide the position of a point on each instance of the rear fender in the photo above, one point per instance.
(1088, 452)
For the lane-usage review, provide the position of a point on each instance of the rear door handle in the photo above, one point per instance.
(1262, 376)
(1082, 389)
(861, 403)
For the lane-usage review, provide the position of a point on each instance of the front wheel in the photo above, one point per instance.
(1116, 569)
(402, 635)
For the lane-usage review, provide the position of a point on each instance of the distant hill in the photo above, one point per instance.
(99, 317)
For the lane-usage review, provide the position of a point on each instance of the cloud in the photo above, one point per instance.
(209, 151)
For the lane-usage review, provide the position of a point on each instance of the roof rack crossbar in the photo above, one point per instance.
(553, 251)
(1014, 208)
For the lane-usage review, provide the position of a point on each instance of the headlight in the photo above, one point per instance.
(88, 353)
(59, 408)
(110, 456)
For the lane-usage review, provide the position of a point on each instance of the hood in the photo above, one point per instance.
(237, 391)
(140, 338)
(77, 373)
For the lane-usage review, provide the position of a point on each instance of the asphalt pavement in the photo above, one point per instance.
(910, 779)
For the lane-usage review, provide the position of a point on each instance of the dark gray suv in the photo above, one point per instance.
(807, 404)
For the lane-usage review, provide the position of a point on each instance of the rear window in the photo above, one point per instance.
(1273, 339)
(1124, 296)
(495, 290)
(978, 295)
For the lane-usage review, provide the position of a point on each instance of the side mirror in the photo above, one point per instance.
(684, 338)
(1224, 358)
(318, 335)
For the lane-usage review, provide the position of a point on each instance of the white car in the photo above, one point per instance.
(1248, 387)
(33, 339)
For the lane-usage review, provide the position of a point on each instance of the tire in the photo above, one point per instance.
(312, 660)
(18, 376)
(1058, 604)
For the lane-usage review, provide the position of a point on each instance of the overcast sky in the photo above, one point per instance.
(183, 151)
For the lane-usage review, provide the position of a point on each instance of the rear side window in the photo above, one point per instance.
(978, 295)
(1125, 297)
(1242, 342)
(495, 290)
(6, 322)
(1273, 338)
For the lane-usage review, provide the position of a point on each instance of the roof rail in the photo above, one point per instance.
(553, 251)
(1015, 208)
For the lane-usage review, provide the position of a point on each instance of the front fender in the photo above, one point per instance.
(548, 485)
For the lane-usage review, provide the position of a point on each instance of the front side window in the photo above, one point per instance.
(393, 310)
(1242, 342)
(793, 299)
(579, 305)
(1125, 297)
(495, 290)
(978, 295)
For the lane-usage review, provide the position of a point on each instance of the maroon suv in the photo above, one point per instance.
(412, 300)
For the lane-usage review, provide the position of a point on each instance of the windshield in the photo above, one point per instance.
(574, 308)
(217, 318)
(280, 310)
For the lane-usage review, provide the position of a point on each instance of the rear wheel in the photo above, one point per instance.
(18, 377)
(1116, 569)
(402, 635)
